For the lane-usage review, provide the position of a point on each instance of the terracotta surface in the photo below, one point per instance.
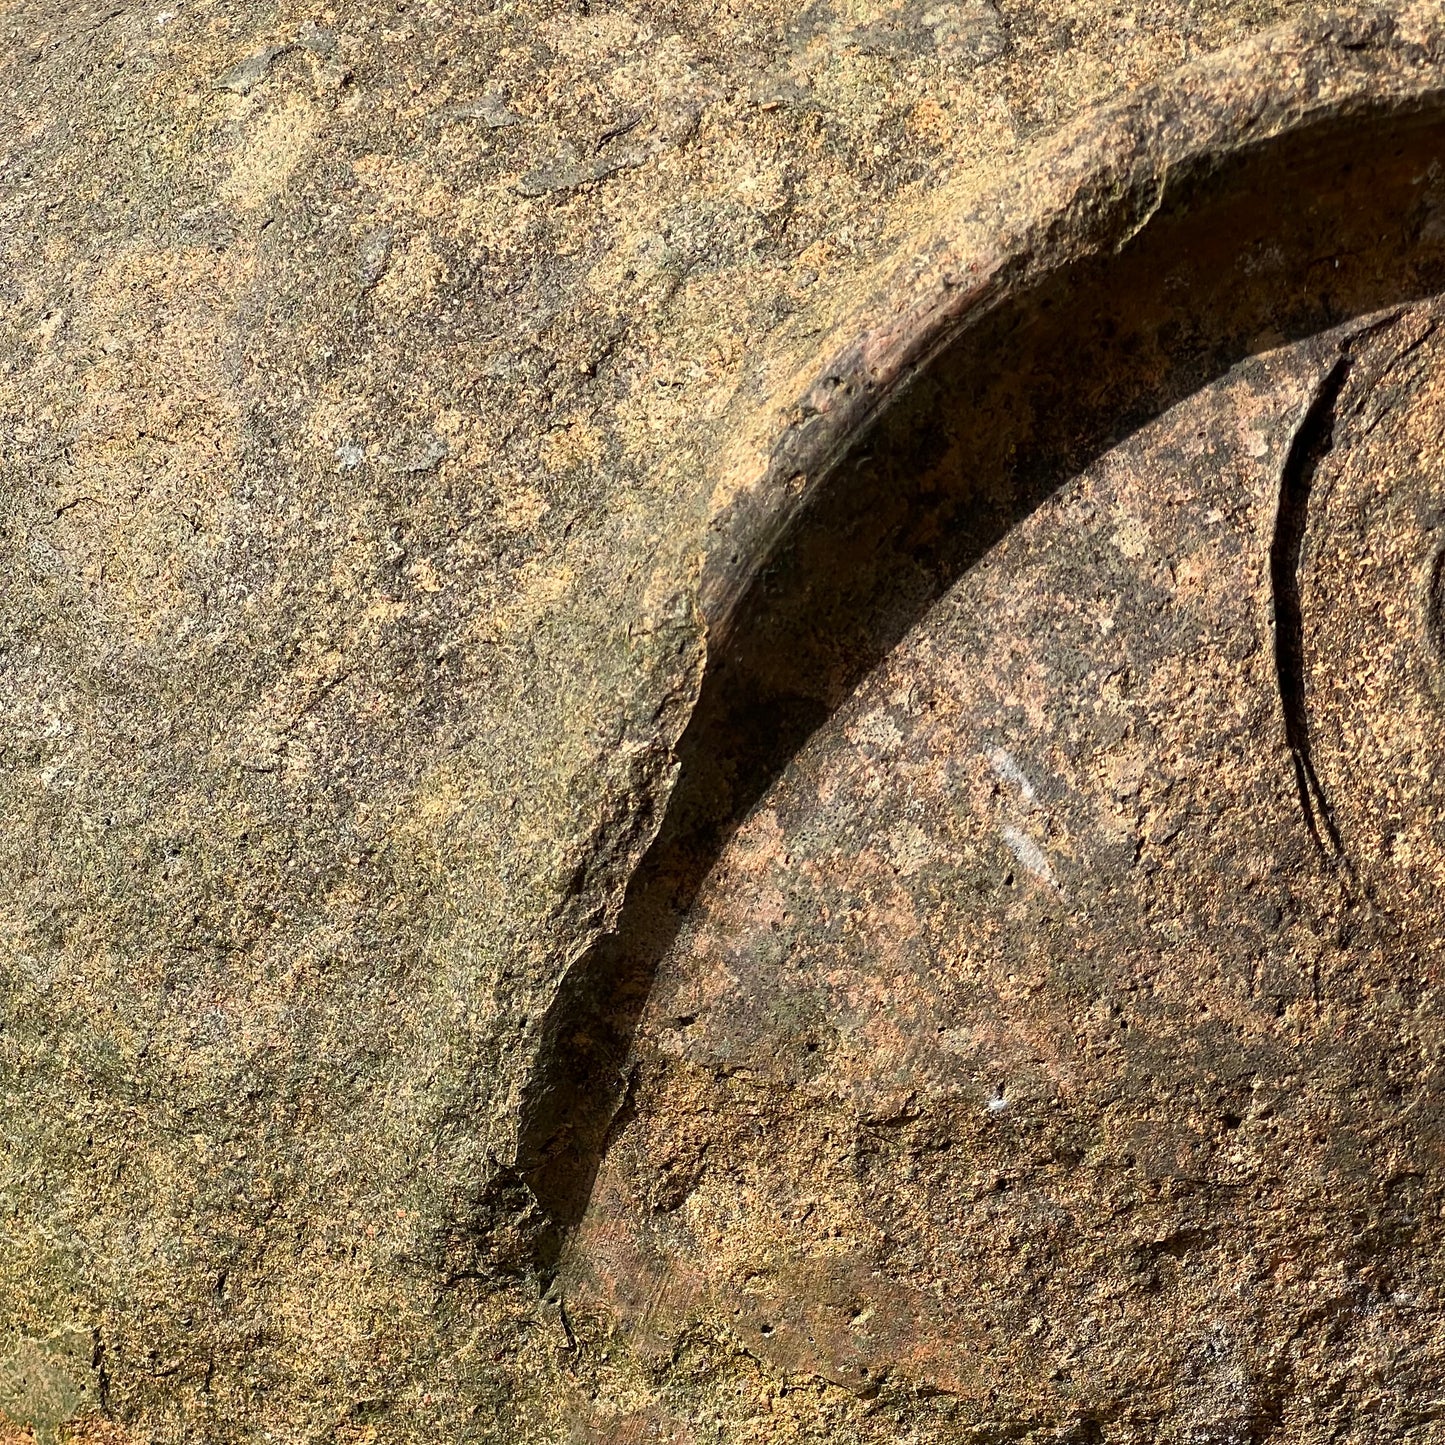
(453, 461)
(1031, 1060)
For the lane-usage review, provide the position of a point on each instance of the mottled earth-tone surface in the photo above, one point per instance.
(1026, 1066)
(361, 370)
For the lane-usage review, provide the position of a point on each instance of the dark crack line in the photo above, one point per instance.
(1377, 383)
(1311, 444)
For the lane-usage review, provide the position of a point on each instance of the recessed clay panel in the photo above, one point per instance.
(1040, 1046)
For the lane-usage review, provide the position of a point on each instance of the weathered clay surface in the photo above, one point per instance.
(1037, 1058)
(383, 392)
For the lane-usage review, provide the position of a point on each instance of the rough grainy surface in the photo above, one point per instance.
(1026, 1065)
(362, 380)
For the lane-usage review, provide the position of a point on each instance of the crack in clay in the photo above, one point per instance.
(1312, 443)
